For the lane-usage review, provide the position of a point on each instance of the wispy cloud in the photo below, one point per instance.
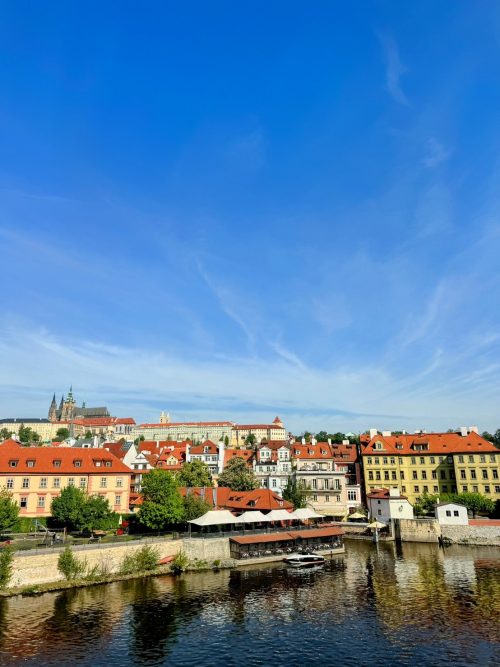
(394, 68)
(436, 153)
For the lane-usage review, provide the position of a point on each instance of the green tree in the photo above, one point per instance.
(9, 511)
(195, 473)
(138, 440)
(78, 511)
(27, 435)
(226, 441)
(162, 502)
(67, 508)
(322, 436)
(6, 557)
(62, 434)
(337, 438)
(237, 476)
(426, 503)
(5, 434)
(194, 507)
(295, 493)
(88, 435)
(96, 514)
(250, 440)
(476, 503)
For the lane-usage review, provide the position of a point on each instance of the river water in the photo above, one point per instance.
(376, 605)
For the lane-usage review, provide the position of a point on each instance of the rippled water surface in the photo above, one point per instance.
(373, 606)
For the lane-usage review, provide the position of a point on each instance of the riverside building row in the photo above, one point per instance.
(433, 463)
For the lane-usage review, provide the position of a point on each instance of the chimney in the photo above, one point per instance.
(188, 454)
(473, 429)
(463, 431)
(329, 441)
(394, 492)
(313, 441)
(373, 433)
(386, 434)
(303, 441)
(220, 463)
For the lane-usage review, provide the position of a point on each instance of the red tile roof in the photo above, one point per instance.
(44, 458)
(200, 449)
(245, 454)
(103, 421)
(383, 494)
(260, 499)
(249, 427)
(321, 450)
(437, 443)
(288, 536)
(186, 424)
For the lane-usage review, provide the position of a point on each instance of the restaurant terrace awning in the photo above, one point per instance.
(305, 513)
(250, 516)
(280, 515)
(215, 518)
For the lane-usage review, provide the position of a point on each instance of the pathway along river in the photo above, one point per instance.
(418, 605)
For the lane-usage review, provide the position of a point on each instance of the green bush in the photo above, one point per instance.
(6, 557)
(216, 562)
(180, 563)
(146, 558)
(70, 566)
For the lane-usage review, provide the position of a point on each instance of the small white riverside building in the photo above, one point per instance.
(387, 504)
(452, 514)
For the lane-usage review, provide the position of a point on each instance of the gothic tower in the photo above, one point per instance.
(53, 410)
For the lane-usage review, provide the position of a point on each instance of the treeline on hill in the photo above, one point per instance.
(323, 436)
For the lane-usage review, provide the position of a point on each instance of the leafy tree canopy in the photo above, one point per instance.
(237, 476)
(78, 511)
(27, 434)
(195, 473)
(162, 501)
(295, 493)
(5, 434)
(62, 434)
(475, 502)
(194, 507)
(9, 511)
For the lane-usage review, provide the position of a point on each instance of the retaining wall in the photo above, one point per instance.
(41, 568)
(480, 535)
(419, 530)
(209, 549)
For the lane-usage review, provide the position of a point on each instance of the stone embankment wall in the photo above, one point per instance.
(420, 530)
(480, 535)
(30, 568)
(209, 549)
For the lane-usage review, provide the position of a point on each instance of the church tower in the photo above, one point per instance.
(53, 410)
(68, 407)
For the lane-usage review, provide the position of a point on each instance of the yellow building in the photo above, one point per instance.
(433, 463)
(274, 431)
(46, 429)
(36, 475)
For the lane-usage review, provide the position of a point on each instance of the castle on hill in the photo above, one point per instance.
(68, 409)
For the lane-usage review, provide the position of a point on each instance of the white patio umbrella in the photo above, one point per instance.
(377, 524)
(251, 517)
(279, 515)
(305, 513)
(215, 518)
(356, 515)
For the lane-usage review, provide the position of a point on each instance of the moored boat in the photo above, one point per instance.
(304, 560)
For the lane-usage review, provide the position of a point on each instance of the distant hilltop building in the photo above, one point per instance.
(68, 409)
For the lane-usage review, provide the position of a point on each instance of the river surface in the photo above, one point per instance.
(383, 605)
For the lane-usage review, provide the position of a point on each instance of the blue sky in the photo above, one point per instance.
(237, 210)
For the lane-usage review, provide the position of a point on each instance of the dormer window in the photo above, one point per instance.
(13, 463)
(77, 463)
(30, 463)
(107, 464)
(97, 463)
(56, 463)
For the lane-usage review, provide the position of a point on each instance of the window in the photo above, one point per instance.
(386, 475)
(56, 483)
(413, 461)
(460, 458)
(104, 482)
(471, 458)
(455, 512)
(435, 489)
(10, 483)
(118, 500)
(497, 489)
(424, 474)
(83, 482)
(369, 461)
(495, 474)
(26, 482)
(426, 489)
(464, 488)
(475, 488)
(56, 463)
(473, 474)
(403, 489)
(416, 489)
(351, 495)
(77, 463)
(43, 482)
(485, 473)
(463, 475)
(401, 474)
(443, 474)
(487, 488)
(23, 502)
(444, 488)
(377, 474)
(379, 512)
(119, 482)
(482, 458)
(393, 475)
(13, 463)
(492, 458)
(327, 499)
(107, 464)
(30, 463)
(97, 463)
(376, 461)
(274, 482)
(448, 512)
(41, 501)
(370, 475)
(434, 474)
(432, 460)
(415, 474)
(441, 459)
(400, 461)
(422, 460)
(315, 498)
(393, 461)
(385, 460)
(71, 481)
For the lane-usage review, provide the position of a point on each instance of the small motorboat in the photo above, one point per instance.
(304, 560)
